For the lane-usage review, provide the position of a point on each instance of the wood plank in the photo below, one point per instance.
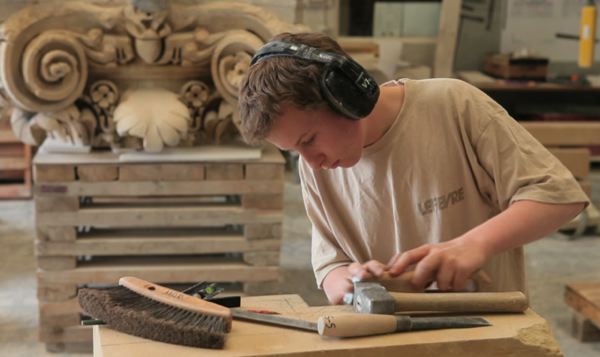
(12, 191)
(93, 173)
(13, 163)
(585, 299)
(263, 201)
(62, 313)
(577, 160)
(120, 243)
(169, 270)
(7, 136)
(222, 171)
(56, 262)
(584, 330)
(265, 172)
(163, 172)
(264, 258)
(70, 347)
(159, 216)
(262, 231)
(565, 133)
(54, 291)
(56, 204)
(66, 334)
(53, 173)
(445, 49)
(270, 154)
(55, 234)
(525, 334)
(154, 188)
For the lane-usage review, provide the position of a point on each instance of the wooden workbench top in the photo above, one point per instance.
(525, 334)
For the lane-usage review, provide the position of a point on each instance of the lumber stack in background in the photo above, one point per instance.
(15, 166)
(570, 142)
(98, 219)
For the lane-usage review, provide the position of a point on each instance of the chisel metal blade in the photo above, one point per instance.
(274, 320)
(435, 323)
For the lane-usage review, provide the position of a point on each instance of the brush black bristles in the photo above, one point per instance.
(134, 314)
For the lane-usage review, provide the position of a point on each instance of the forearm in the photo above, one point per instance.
(523, 222)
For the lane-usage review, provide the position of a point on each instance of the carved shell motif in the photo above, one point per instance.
(157, 116)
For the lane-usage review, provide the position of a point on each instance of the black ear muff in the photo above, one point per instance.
(348, 87)
(346, 96)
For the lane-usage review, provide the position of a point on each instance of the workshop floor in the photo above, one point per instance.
(552, 262)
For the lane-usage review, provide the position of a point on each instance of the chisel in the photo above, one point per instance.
(354, 324)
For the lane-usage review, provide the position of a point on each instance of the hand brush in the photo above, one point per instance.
(151, 311)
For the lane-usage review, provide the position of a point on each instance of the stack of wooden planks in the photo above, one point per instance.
(570, 142)
(15, 166)
(99, 218)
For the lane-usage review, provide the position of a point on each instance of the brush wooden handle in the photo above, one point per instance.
(510, 301)
(173, 297)
(354, 325)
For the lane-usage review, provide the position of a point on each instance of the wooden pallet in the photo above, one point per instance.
(584, 299)
(99, 219)
(15, 167)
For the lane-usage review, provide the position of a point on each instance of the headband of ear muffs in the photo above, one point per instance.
(348, 88)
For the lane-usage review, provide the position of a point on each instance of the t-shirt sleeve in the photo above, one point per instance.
(326, 254)
(519, 166)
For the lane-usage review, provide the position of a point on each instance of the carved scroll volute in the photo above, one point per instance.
(50, 75)
(230, 62)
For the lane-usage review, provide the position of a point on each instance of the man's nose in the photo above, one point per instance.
(313, 159)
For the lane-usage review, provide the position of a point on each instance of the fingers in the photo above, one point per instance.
(460, 279)
(426, 271)
(370, 269)
(401, 262)
(445, 277)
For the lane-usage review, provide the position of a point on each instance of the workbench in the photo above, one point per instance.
(525, 334)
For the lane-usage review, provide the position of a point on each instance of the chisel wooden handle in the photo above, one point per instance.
(354, 325)
(510, 301)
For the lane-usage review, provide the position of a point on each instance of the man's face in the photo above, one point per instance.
(322, 137)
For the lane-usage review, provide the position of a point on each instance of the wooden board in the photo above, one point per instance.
(511, 335)
(269, 154)
(565, 133)
(15, 167)
(166, 269)
(149, 242)
(577, 160)
(585, 299)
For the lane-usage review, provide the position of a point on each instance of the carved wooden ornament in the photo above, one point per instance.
(138, 74)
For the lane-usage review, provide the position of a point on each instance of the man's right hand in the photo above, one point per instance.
(337, 283)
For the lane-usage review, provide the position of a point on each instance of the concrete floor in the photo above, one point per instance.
(552, 262)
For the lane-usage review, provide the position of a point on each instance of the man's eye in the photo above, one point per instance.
(310, 141)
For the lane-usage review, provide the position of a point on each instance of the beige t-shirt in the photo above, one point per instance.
(452, 159)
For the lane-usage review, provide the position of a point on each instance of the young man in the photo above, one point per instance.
(435, 177)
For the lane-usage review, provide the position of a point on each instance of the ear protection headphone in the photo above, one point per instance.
(346, 85)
